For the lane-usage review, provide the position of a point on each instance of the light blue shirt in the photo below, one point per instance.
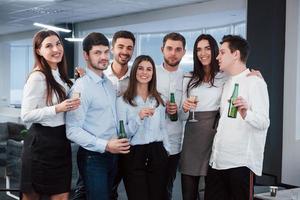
(95, 121)
(150, 129)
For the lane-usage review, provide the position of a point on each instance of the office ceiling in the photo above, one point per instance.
(19, 15)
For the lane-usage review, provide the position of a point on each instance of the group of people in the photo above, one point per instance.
(226, 151)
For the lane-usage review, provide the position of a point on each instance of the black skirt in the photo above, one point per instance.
(46, 161)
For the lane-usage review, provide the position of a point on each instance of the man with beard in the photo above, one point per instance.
(118, 73)
(96, 157)
(122, 49)
(169, 80)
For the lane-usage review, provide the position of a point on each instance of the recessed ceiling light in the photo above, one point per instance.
(74, 39)
(54, 28)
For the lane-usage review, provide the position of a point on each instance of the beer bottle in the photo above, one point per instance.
(122, 133)
(232, 110)
(174, 116)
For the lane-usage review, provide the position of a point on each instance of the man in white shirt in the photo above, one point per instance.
(122, 49)
(118, 73)
(239, 143)
(169, 80)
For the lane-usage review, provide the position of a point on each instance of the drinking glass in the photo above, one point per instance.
(76, 95)
(194, 99)
(151, 104)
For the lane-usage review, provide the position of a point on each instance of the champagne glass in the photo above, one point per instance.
(194, 99)
(76, 95)
(152, 105)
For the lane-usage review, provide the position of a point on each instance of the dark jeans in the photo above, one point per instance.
(98, 171)
(229, 184)
(172, 166)
(79, 193)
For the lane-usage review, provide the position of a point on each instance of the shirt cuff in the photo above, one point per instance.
(101, 144)
(249, 116)
(51, 110)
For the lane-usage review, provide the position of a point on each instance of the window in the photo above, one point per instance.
(20, 68)
(219, 32)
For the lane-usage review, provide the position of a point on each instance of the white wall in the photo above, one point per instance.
(291, 107)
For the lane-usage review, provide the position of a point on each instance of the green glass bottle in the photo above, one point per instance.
(122, 133)
(232, 110)
(173, 117)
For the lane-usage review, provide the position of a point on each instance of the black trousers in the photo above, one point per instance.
(145, 171)
(229, 184)
(172, 166)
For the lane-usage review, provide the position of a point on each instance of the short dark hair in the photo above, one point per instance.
(236, 42)
(93, 39)
(123, 34)
(174, 36)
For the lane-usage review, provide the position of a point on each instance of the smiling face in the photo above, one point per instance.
(204, 52)
(51, 50)
(123, 50)
(144, 72)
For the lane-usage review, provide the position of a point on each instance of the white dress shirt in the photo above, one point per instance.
(209, 97)
(120, 85)
(34, 108)
(240, 142)
(168, 82)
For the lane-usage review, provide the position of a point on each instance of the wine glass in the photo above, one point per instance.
(151, 104)
(193, 99)
(76, 95)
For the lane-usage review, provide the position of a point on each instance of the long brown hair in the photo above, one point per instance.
(198, 73)
(131, 91)
(43, 66)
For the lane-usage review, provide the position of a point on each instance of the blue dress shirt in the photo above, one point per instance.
(95, 121)
(150, 129)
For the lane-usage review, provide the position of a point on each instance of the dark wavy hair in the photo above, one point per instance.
(198, 72)
(123, 34)
(43, 66)
(131, 91)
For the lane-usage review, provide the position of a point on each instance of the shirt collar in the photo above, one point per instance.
(110, 73)
(243, 73)
(170, 72)
(55, 72)
(95, 77)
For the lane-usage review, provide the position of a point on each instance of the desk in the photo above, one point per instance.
(290, 194)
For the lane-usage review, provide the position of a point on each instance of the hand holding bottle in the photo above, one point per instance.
(118, 146)
(173, 117)
(171, 108)
(242, 106)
